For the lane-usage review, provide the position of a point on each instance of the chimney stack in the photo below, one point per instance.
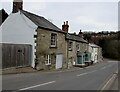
(65, 26)
(80, 33)
(17, 5)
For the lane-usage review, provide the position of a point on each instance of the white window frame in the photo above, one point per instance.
(48, 60)
(70, 45)
(78, 47)
(53, 40)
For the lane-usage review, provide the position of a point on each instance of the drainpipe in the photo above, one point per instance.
(67, 54)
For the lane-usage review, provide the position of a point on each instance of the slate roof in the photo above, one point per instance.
(3, 16)
(93, 45)
(41, 22)
(75, 38)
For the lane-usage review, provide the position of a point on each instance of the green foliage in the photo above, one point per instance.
(87, 37)
(110, 48)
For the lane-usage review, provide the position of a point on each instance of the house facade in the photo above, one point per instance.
(18, 29)
(51, 49)
(31, 40)
(77, 47)
(96, 52)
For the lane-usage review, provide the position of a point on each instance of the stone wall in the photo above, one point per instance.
(72, 54)
(43, 48)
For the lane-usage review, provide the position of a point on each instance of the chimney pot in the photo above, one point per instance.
(65, 27)
(80, 33)
(66, 22)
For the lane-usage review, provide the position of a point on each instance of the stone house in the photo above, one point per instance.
(56, 48)
(51, 48)
(77, 47)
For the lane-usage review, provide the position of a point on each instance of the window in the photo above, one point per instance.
(70, 46)
(48, 60)
(78, 47)
(53, 40)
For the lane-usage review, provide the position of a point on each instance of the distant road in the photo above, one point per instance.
(91, 78)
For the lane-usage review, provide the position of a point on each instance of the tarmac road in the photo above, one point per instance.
(94, 77)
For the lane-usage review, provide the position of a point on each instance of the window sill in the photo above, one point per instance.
(53, 47)
(70, 50)
(48, 64)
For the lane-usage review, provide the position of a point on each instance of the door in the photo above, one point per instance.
(96, 58)
(79, 60)
(16, 55)
(59, 58)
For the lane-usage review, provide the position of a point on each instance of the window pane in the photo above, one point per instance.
(53, 39)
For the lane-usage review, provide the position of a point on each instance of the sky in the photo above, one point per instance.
(88, 16)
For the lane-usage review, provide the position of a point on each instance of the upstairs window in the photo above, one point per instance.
(78, 47)
(53, 40)
(70, 46)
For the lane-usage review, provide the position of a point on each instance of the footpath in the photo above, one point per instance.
(31, 70)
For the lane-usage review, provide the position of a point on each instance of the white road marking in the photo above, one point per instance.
(86, 73)
(113, 76)
(37, 85)
(93, 71)
(82, 74)
(103, 68)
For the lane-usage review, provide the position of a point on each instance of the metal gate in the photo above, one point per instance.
(59, 58)
(16, 55)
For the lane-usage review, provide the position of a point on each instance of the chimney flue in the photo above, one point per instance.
(80, 33)
(65, 27)
(17, 5)
(66, 22)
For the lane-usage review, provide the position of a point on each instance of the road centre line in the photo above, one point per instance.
(86, 73)
(103, 68)
(82, 74)
(37, 85)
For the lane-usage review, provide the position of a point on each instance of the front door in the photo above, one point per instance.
(59, 58)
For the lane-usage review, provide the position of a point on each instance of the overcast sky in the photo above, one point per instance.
(90, 16)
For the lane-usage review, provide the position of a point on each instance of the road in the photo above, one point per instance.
(95, 77)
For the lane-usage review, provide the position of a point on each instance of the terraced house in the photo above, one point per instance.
(34, 41)
(56, 48)
(77, 47)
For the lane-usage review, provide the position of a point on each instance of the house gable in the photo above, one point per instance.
(18, 29)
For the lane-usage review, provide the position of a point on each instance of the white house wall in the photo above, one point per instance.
(94, 53)
(18, 29)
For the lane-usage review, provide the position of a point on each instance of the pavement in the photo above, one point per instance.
(30, 70)
(17, 70)
(97, 77)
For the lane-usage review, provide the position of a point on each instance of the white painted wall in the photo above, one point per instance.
(94, 53)
(18, 29)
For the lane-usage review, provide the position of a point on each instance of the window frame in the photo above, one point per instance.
(48, 60)
(78, 47)
(70, 46)
(53, 42)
